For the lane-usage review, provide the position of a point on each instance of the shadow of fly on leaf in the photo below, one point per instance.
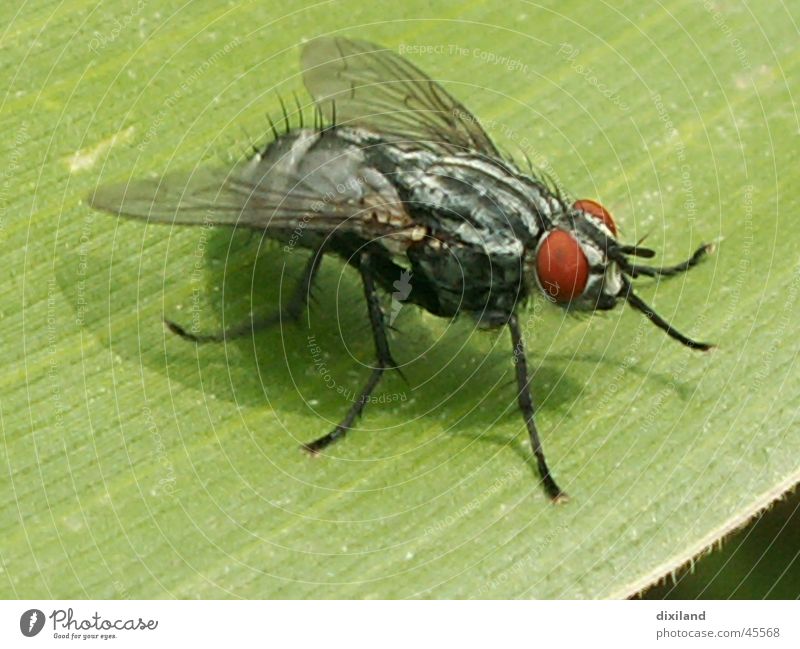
(398, 179)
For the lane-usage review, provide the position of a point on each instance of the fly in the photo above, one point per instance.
(397, 178)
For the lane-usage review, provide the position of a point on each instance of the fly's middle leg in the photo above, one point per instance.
(526, 406)
(291, 312)
(384, 360)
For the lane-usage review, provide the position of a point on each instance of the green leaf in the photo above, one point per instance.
(136, 465)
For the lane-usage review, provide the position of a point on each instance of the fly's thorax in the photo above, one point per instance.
(570, 261)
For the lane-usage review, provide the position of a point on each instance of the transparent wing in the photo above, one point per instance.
(304, 176)
(361, 84)
(208, 197)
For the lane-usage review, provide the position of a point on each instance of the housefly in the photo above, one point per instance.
(397, 177)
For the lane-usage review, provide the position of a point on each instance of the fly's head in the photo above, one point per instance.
(574, 264)
(579, 264)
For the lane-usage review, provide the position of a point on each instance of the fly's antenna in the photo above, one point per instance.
(637, 303)
(333, 115)
(644, 236)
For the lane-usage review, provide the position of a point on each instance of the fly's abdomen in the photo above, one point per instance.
(313, 187)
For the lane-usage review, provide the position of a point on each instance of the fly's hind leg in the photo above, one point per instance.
(384, 360)
(291, 312)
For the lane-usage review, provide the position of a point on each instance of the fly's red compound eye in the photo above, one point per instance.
(561, 266)
(597, 211)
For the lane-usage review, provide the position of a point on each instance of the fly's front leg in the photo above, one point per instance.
(384, 360)
(670, 271)
(526, 405)
(291, 312)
